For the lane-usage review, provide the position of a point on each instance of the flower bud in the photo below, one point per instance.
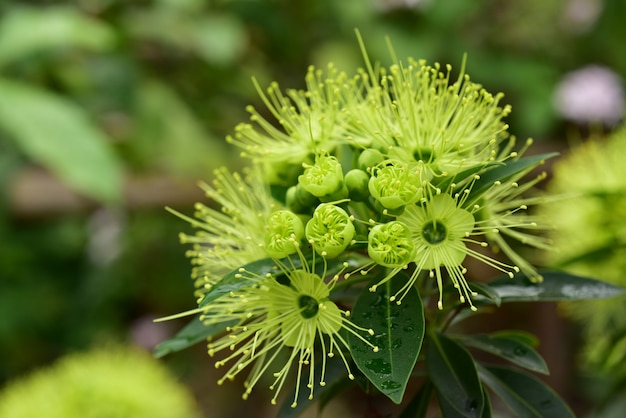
(323, 178)
(369, 158)
(356, 181)
(390, 244)
(330, 230)
(284, 232)
(394, 184)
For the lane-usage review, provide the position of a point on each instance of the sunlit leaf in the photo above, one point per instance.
(28, 30)
(525, 395)
(453, 372)
(398, 334)
(508, 348)
(59, 135)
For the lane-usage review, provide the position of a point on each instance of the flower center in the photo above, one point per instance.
(308, 306)
(434, 232)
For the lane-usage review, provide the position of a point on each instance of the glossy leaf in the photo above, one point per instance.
(193, 333)
(335, 375)
(232, 281)
(448, 181)
(525, 395)
(453, 372)
(398, 334)
(59, 135)
(449, 412)
(259, 269)
(518, 335)
(505, 172)
(508, 348)
(556, 286)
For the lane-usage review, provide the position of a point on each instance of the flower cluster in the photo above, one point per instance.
(406, 166)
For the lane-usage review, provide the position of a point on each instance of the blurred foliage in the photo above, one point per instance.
(97, 91)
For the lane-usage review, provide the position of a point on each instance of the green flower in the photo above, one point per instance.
(311, 120)
(440, 229)
(391, 245)
(323, 178)
(279, 324)
(284, 233)
(229, 238)
(114, 382)
(395, 184)
(416, 114)
(330, 230)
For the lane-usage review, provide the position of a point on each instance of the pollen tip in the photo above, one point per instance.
(440, 305)
(351, 376)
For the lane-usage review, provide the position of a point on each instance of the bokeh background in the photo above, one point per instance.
(111, 110)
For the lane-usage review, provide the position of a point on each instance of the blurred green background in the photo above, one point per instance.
(111, 110)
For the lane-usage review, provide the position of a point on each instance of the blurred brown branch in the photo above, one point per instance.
(36, 193)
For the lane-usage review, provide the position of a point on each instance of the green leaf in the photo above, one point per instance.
(232, 281)
(556, 286)
(508, 348)
(453, 372)
(418, 406)
(506, 171)
(522, 336)
(448, 410)
(525, 395)
(259, 269)
(448, 180)
(398, 334)
(55, 27)
(58, 134)
(335, 375)
(488, 292)
(192, 334)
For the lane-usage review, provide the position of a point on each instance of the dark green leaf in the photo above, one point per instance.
(525, 395)
(518, 335)
(259, 269)
(398, 334)
(453, 372)
(418, 407)
(505, 172)
(448, 180)
(556, 286)
(510, 349)
(488, 292)
(59, 135)
(232, 281)
(191, 334)
(335, 375)
(448, 410)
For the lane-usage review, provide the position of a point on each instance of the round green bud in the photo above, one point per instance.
(356, 181)
(323, 178)
(284, 233)
(394, 184)
(369, 158)
(299, 200)
(330, 230)
(390, 244)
